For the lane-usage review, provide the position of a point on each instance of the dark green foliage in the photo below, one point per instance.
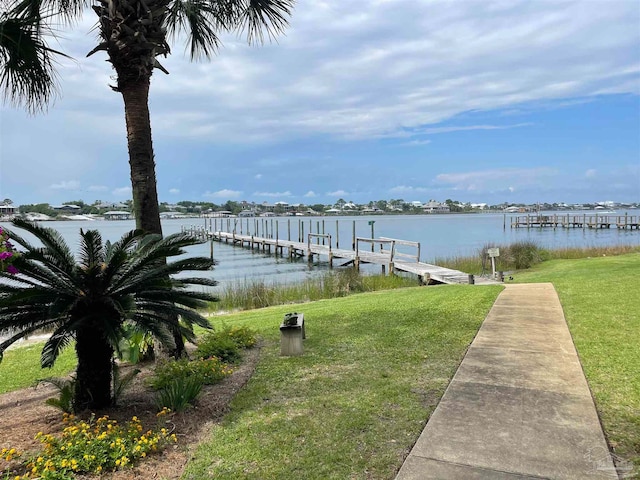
(136, 346)
(207, 371)
(91, 299)
(220, 346)
(243, 336)
(66, 387)
(179, 393)
(522, 255)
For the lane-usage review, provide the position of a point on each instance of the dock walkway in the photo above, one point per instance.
(381, 251)
(519, 406)
(592, 221)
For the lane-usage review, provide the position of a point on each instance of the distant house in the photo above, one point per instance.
(221, 214)
(513, 209)
(333, 211)
(117, 215)
(67, 208)
(110, 206)
(7, 209)
(435, 207)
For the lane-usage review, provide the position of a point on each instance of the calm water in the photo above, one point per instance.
(439, 235)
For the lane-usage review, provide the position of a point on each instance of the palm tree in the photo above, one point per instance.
(133, 33)
(89, 300)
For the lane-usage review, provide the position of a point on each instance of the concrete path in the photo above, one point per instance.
(519, 406)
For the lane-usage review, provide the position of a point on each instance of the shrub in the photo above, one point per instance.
(179, 393)
(218, 346)
(226, 343)
(523, 254)
(207, 371)
(94, 446)
(66, 387)
(244, 337)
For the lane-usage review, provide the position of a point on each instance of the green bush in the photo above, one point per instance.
(218, 345)
(243, 337)
(522, 255)
(206, 371)
(226, 343)
(66, 387)
(179, 393)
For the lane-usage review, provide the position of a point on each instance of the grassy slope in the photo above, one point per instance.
(601, 301)
(374, 368)
(20, 367)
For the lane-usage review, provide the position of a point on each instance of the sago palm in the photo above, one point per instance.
(90, 299)
(133, 33)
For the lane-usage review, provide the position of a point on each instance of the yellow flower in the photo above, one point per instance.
(98, 468)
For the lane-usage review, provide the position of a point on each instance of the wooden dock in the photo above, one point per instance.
(389, 253)
(584, 221)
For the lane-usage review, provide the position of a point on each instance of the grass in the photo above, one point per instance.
(600, 299)
(374, 368)
(522, 255)
(256, 293)
(20, 367)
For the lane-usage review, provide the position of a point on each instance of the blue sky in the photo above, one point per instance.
(505, 101)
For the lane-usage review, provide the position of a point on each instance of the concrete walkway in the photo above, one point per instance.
(519, 406)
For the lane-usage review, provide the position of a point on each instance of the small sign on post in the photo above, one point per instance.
(493, 253)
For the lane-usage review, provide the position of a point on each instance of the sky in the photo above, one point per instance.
(476, 101)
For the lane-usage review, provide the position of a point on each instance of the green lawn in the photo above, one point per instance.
(374, 368)
(20, 367)
(601, 300)
(376, 365)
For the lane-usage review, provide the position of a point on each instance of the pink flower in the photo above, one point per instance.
(11, 269)
(5, 255)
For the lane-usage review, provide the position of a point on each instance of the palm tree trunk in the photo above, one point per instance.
(141, 161)
(142, 164)
(93, 374)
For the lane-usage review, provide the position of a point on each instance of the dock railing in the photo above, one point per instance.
(400, 256)
(318, 236)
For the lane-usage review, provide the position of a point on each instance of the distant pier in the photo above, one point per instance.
(584, 221)
(393, 255)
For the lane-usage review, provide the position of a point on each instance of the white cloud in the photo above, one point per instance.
(272, 194)
(174, 191)
(337, 193)
(225, 194)
(511, 189)
(414, 143)
(436, 130)
(310, 194)
(591, 173)
(98, 188)
(66, 185)
(258, 176)
(490, 180)
(376, 71)
(122, 192)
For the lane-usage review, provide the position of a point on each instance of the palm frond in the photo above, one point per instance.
(27, 74)
(261, 17)
(25, 331)
(200, 20)
(92, 251)
(58, 340)
(52, 241)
